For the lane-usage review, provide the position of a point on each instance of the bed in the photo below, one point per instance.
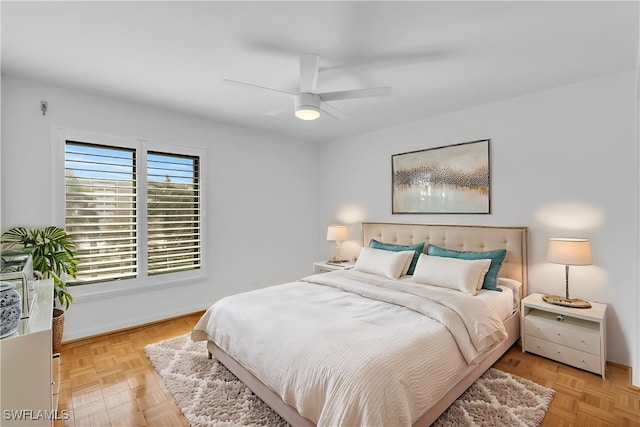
(358, 365)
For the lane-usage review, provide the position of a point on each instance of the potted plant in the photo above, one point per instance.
(54, 256)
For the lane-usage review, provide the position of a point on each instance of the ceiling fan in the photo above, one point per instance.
(307, 103)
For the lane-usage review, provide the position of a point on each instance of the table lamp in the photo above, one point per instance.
(337, 233)
(568, 252)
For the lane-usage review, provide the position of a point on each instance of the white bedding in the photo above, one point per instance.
(504, 303)
(501, 302)
(383, 352)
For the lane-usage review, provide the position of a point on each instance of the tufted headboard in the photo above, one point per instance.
(459, 238)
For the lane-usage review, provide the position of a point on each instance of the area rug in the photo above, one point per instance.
(209, 395)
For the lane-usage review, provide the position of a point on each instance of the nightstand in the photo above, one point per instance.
(324, 267)
(574, 336)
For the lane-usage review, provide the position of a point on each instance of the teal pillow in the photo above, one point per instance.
(496, 257)
(418, 248)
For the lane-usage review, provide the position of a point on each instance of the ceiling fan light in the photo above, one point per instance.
(307, 113)
(307, 106)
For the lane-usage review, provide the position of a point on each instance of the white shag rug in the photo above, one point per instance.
(209, 395)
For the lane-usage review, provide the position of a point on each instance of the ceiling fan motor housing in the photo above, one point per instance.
(307, 106)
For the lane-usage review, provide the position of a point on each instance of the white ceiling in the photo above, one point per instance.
(437, 56)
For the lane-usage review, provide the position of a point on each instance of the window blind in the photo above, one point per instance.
(173, 213)
(101, 203)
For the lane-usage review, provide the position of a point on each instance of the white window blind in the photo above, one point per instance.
(105, 214)
(100, 186)
(173, 213)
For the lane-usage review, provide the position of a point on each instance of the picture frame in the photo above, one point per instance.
(452, 179)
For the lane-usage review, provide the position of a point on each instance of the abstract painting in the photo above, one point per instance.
(449, 179)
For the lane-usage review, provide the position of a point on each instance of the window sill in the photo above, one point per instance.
(107, 290)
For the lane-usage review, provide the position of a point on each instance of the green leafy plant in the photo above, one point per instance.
(53, 252)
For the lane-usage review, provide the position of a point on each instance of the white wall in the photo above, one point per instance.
(563, 163)
(261, 198)
(636, 372)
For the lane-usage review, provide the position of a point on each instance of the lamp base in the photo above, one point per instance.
(336, 261)
(566, 302)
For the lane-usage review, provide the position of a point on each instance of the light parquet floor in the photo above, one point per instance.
(108, 381)
(582, 399)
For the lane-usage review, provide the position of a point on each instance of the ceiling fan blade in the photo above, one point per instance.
(309, 65)
(237, 83)
(332, 111)
(357, 93)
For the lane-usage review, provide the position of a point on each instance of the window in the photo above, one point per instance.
(173, 206)
(130, 211)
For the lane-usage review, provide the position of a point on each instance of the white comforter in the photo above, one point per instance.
(352, 349)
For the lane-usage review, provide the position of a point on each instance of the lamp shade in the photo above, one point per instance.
(569, 251)
(337, 232)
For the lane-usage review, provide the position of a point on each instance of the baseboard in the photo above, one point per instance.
(129, 324)
(628, 369)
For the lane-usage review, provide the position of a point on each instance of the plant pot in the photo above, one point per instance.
(57, 329)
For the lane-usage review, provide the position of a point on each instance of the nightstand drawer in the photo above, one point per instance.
(571, 332)
(570, 356)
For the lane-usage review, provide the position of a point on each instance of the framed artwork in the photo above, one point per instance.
(450, 179)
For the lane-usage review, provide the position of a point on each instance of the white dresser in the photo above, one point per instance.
(574, 336)
(29, 384)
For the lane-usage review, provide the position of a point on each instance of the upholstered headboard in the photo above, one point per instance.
(459, 238)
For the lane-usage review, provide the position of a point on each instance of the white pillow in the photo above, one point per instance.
(454, 273)
(384, 263)
(515, 286)
(407, 264)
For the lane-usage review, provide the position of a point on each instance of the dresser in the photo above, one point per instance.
(574, 336)
(29, 384)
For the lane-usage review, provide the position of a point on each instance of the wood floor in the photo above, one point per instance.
(108, 381)
(582, 399)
